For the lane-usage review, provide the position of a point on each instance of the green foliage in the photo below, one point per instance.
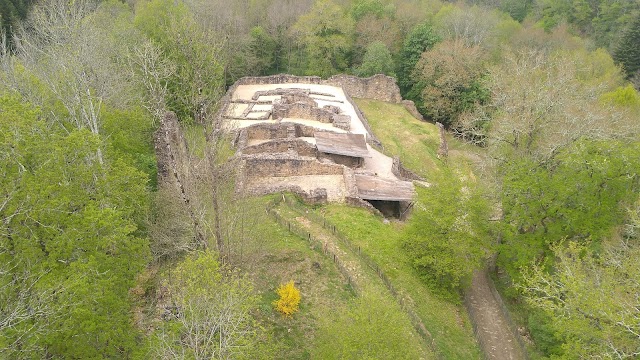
(188, 48)
(70, 221)
(361, 8)
(11, 13)
(262, 49)
(627, 51)
(542, 332)
(576, 197)
(589, 299)
(517, 9)
(326, 33)
(448, 81)
(130, 133)
(377, 60)
(448, 236)
(625, 96)
(604, 20)
(420, 39)
(213, 317)
(364, 330)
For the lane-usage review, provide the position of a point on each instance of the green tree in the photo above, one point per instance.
(448, 81)
(625, 96)
(377, 60)
(419, 40)
(262, 51)
(578, 196)
(362, 8)
(213, 317)
(627, 52)
(72, 221)
(589, 298)
(326, 33)
(192, 50)
(448, 235)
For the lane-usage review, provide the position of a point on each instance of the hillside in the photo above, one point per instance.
(194, 179)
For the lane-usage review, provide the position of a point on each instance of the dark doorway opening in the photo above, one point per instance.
(390, 209)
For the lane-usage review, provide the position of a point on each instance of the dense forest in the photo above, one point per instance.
(545, 91)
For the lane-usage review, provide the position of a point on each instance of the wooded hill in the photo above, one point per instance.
(98, 261)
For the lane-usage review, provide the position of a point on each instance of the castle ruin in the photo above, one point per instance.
(307, 136)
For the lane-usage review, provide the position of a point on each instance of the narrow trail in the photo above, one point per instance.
(492, 327)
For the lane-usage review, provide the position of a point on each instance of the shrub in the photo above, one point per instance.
(289, 299)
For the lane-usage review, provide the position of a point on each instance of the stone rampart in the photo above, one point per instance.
(171, 150)
(279, 79)
(412, 109)
(314, 196)
(378, 87)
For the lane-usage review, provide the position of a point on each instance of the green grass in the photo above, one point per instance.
(448, 323)
(271, 256)
(374, 295)
(195, 136)
(414, 141)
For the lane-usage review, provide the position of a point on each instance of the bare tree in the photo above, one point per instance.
(25, 307)
(543, 106)
(153, 71)
(475, 25)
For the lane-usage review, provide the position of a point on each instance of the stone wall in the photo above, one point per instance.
(378, 87)
(297, 97)
(314, 196)
(304, 130)
(267, 131)
(174, 169)
(302, 111)
(300, 147)
(403, 173)
(348, 161)
(412, 109)
(284, 166)
(371, 138)
(279, 79)
(171, 150)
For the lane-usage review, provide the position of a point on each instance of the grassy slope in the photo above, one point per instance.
(416, 142)
(274, 256)
(401, 134)
(374, 294)
(277, 256)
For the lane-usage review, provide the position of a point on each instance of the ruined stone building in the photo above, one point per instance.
(307, 136)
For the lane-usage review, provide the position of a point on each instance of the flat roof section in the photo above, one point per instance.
(353, 145)
(376, 188)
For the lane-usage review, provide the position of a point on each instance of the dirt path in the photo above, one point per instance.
(493, 331)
